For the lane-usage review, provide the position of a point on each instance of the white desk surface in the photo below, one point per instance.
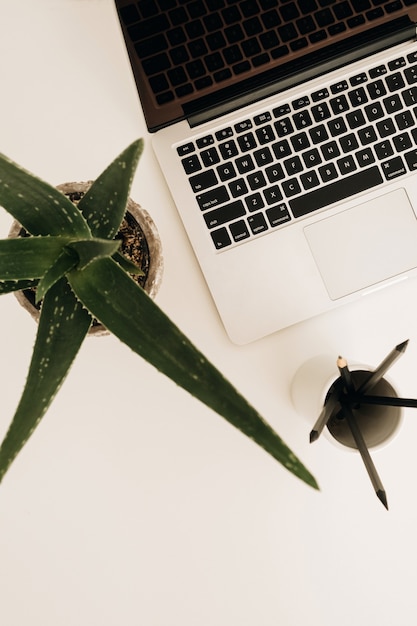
(133, 504)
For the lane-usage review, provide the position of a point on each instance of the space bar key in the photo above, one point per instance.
(339, 190)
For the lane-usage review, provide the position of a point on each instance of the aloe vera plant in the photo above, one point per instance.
(72, 259)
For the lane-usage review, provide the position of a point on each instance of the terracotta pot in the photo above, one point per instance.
(149, 247)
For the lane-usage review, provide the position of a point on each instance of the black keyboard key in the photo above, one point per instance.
(410, 96)
(367, 135)
(224, 214)
(312, 158)
(226, 171)
(202, 181)
(257, 223)
(291, 187)
(318, 134)
(395, 82)
(378, 71)
(284, 127)
(402, 142)
(330, 150)
(374, 111)
(316, 96)
(337, 126)
(293, 165)
(272, 195)
(321, 112)
(336, 191)
(309, 180)
(210, 157)
(278, 215)
(239, 230)
(263, 157)
(411, 158)
(281, 149)
(384, 149)
(393, 168)
(358, 96)
(376, 89)
(203, 142)
(302, 119)
(187, 148)
(349, 143)
(221, 238)
(265, 134)
(339, 104)
(254, 202)
(346, 165)
(246, 142)
(386, 128)
(411, 75)
(245, 164)
(212, 198)
(392, 103)
(396, 64)
(404, 120)
(191, 164)
(355, 119)
(275, 173)
(238, 188)
(328, 172)
(228, 149)
(300, 141)
(365, 157)
(338, 87)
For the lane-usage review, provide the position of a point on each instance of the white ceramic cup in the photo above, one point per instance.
(309, 390)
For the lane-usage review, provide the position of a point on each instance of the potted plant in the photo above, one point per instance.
(70, 256)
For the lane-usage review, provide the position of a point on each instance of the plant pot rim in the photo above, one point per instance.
(153, 240)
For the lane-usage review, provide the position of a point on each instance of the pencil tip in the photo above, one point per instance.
(402, 346)
(383, 497)
(314, 435)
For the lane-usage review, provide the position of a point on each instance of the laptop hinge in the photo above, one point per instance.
(296, 72)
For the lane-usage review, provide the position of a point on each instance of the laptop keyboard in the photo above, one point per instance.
(264, 172)
(186, 47)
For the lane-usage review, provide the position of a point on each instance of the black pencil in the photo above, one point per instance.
(346, 375)
(366, 457)
(383, 367)
(384, 400)
(324, 416)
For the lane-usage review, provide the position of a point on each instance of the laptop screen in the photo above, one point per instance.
(189, 56)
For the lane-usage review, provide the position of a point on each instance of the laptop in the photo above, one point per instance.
(287, 134)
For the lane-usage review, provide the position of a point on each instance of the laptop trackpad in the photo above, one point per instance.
(362, 246)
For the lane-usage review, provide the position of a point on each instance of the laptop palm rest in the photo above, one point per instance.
(364, 245)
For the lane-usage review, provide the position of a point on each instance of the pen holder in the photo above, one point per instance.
(311, 387)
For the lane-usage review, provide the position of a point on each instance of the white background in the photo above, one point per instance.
(133, 504)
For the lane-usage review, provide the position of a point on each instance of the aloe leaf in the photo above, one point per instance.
(104, 204)
(62, 265)
(128, 265)
(127, 311)
(90, 249)
(8, 286)
(39, 207)
(29, 257)
(63, 324)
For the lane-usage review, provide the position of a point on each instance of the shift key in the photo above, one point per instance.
(224, 214)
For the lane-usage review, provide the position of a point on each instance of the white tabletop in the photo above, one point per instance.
(133, 504)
